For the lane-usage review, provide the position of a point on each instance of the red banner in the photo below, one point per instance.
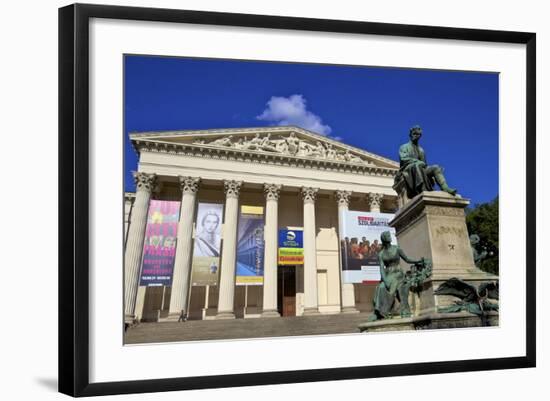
(159, 247)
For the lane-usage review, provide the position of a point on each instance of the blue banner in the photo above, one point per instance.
(291, 247)
(250, 246)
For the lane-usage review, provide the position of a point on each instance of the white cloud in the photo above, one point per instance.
(292, 110)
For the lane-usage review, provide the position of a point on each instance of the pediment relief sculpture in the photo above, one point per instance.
(286, 145)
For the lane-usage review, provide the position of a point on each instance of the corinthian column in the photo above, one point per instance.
(348, 291)
(310, 252)
(182, 264)
(374, 200)
(229, 250)
(271, 192)
(134, 243)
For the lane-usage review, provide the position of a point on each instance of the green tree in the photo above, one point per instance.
(483, 221)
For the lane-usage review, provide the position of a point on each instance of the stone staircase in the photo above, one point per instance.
(193, 330)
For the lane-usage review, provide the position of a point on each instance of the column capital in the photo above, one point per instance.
(309, 194)
(189, 185)
(144, 181)
(374, 200)
(232, 188)
(272, 191)
(342, 197)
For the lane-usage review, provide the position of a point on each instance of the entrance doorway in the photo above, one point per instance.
(156, 303)
(286, 290)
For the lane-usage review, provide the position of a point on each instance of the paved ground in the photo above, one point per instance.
(244, 328)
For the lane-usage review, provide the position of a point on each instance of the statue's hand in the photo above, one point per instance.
(421, 163)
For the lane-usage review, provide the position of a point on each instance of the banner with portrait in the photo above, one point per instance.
(159, 246)
(207, 245)
(360, 244)
(250, 246)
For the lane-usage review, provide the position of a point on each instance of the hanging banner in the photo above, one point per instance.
(291, 247)
(159, 247)
(360, 244)
(206, 250)
(250, 246)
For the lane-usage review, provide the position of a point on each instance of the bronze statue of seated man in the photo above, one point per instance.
(418, 176)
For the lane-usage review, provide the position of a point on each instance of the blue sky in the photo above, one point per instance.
(368, 107)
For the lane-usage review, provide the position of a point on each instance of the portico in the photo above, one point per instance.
(302, 181)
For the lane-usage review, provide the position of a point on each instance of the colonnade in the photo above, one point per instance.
(189, 186)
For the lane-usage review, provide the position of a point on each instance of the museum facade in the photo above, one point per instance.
(205, 229)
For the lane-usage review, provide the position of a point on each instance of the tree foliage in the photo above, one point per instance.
(483, 221)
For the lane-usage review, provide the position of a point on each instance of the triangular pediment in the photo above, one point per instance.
(287, 141)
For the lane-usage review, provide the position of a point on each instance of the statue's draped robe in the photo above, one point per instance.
(395, 286)
(415, 176)
(384, 298)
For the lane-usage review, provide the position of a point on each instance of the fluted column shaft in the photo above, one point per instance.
(134, 243)
(184, 246)
(272, 192)
(348, 290)
(310, 252)
(229, 251)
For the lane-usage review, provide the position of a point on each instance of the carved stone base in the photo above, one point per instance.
(433, 225)
(422, 302)
(430, 322)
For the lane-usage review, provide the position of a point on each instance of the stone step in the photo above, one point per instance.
(244, 328)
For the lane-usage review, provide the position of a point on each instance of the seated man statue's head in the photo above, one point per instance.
(415, 133)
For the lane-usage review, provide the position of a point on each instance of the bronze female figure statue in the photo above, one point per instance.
(395, 283)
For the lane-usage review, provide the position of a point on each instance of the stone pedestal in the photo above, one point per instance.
(433, 225)
(430, 322)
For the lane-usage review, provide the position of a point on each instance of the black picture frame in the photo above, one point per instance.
(74, 198)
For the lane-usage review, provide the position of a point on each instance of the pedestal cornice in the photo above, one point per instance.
(429, 203)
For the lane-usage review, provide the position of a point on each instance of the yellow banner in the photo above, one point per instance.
(252, 209)
(291, 256)
(250, 280)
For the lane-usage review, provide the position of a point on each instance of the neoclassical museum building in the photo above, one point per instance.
(249, 222)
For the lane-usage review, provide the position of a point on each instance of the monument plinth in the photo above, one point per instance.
(431, 230)
(433, 225)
